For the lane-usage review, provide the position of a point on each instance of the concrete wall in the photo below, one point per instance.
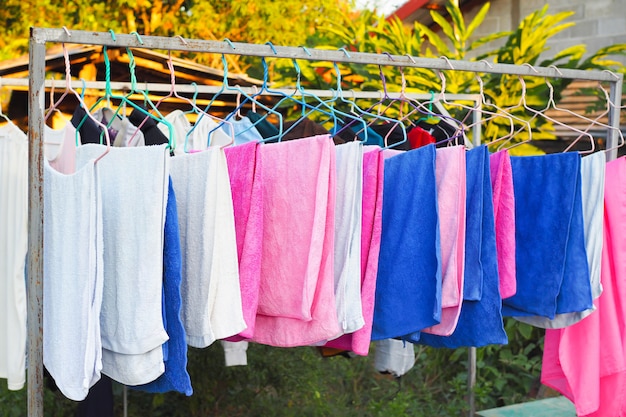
(599, 23)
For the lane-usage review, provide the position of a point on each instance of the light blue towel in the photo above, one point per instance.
(551, 260)
(408, 286)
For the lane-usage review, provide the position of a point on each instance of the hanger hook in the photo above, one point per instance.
(345, 52)
(112, 35)
(410, 58)
(558, 71)
(306, 50)
(484, 61)
(445, 58)
(389, 56)
(531, 67)
(184, 42)
(229, 43)
(272, 47)
(612, 73)
(134, 32)
(69, 35)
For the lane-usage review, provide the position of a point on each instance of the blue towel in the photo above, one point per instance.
(480, 322)
(475, 215)
(551, 261)
(408, 286)
(175, 377)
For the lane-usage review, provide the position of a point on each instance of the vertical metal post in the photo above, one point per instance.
(614, 116)
(36, 103)
(471, 380)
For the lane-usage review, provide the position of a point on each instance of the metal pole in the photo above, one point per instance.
(471, 380)
(36, 97)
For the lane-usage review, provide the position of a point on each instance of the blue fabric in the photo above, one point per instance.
(551, 261)
(373, 138)
(175, 377)
(480, 322)
(475, 215)
(408, 286)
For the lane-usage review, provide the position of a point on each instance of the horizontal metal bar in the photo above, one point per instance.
(236, 48)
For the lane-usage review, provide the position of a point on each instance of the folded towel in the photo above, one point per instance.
(297, 257)
(480, 322)
(373, 177)
(347, 258)
(394, 357)
(175, 377)
(408, 287)
(134, 193)
(586, 362)
(451, 201)
(211, 293)
(552, 270)
(295, 195)
(73, 279)
(592, 169)
(245, 171)
(13, 248)
(504, 212)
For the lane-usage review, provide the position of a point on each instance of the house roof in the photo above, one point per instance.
(419, 10)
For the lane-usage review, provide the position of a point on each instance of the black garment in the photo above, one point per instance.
(306, 128)
(151, 133)
(99, 401)
(440, 130)
(395, 136)
(89, 131)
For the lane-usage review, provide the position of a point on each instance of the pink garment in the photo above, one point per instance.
(451, 190)
(296, 298)
(245, 172)
(586, 362)
(504, 214)
(60, 148)
(373, 175)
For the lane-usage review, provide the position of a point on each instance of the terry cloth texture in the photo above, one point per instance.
(73, 279)
(297, 277)
(552, 270)
(175, 378)
(586, 362)
(480, 322)
(210, 287)
(394, 357)
(450, 174)
(133, 180)
(373, 178)
(245, 171)
(408, 287)
(504, 213)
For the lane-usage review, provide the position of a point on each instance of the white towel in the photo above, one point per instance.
(393, 356)
(210, 283)
(198, 138)
(348, 208)
(134, 183)
(133, 369)
(13, 248)
(73, 279)
(235, 353)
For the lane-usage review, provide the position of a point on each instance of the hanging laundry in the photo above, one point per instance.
(296, 299)
(13, 248)
(480, 321)
(60, 148)
(196, 137)
(373, 178)
(245, 171)
(211, 292)
(133, 222)
(592, 169)
(235, 353)
(244, 131)
(408, 285)
(504, 214)
(73, 279)
(175, 378)
(265, 128)
(451, 178)
(586, 362)
(418, 137)
(152, 134)
(305, 128)
(394, 357)
(551, 263)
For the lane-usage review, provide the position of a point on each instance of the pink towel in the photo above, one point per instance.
(586, 362)
(373, 169)
(504, 214)
(451, 190)
(296, 298)
(245, 172)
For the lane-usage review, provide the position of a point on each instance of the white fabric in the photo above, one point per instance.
(235, 353)
(133, 369)
(13, 247)
(73, 279)
(134, 183)
(198, 138)
(348, 209)
(394, 356)
(59, 147)
(210, 288)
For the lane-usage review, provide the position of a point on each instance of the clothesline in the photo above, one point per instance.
(37, 84)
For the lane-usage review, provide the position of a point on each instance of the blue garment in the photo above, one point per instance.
(175, 377)
(551, 260)
(475, 216)
(408, 286)
(480, 322)
(244, 131)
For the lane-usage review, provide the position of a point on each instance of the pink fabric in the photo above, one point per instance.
(373, 175)
(504, 214)
(297, 300)
(245, 171)
(451, 190)
(586, 362)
